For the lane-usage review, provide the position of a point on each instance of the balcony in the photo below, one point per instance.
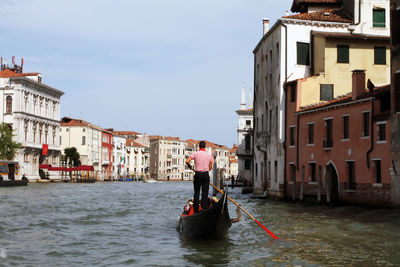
(327, 144)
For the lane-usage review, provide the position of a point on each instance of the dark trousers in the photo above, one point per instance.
(201, 180)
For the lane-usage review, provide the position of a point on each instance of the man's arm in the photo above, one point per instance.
(189, 159)
(210, 165)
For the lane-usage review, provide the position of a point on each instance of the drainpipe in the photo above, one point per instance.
(372, 133)
(284, 147)
(254, 120)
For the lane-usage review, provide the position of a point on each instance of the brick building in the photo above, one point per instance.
(338, 150)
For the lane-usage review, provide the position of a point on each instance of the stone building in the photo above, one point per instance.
(395, 81)
(245, 140)
(284, 54)
(138, 159)
(119, 169)
(167, 158)
(32, 109)
(88, 140)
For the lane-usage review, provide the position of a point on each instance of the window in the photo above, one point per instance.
(247, 164)
(376, 166)
(326, 92)
(83, 140)
(26, 157)
(269, 170)
(248, 122)
(276, 118)
(328, 142)
(83, 130)
(293, 172)
(313, 172)
(270, 120)
(60, 141)
(276, 171)
(380, 55)
(382, 131)
(9, 104)
(311, 133)
(303, 53)
(292, 93)
(351, 177)
(378, 17)
(343, 53)
(292, 133)
(346, 127)
(365, 124)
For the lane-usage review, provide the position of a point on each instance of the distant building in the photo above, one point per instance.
(90, 141)
(119, 157)
(285, 53)
(395, 80)
(338, 150)
(138, 159)
(32, 109)
(245, 140)
(233, 163)
(167, 158)
(106, 154)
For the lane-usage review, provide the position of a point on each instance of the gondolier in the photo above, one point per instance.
(203, 163)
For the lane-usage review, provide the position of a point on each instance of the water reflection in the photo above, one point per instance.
(208, 251)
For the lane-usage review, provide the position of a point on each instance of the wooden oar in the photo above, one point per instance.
(245, 211)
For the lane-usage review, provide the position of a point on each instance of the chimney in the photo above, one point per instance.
(265, 26)
(243, 102)
(358, 83)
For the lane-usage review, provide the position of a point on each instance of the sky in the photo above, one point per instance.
(162, 67)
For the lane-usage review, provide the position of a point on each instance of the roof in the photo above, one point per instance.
(126, 133)
(132, 142)
(347, 99)
(193, 142)
(7, 73)
(328, 15)
(336, 35)
(159, 137)
(66, 121)
(297, 5)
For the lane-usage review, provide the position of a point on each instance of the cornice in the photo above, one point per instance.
(41, 87)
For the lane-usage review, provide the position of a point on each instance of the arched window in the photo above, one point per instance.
(9, 104)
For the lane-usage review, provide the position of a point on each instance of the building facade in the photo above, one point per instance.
(167, 158)
(119, 169)
(86, 138)
(338, 150)
(395, 81)
(284, 54)
(32, 109)
(138, 160)
(106, 154)
(245, 141)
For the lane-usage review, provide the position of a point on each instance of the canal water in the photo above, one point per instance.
(133, 223)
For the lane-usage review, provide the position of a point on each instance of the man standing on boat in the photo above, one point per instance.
(203, 163)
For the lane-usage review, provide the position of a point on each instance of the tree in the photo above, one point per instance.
(72, 156)
(8, 148)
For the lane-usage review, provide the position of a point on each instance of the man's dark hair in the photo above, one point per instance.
(202, 144)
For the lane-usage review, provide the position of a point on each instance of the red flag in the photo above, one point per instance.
(45, 149)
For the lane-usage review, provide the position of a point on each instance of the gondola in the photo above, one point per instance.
(211, 223)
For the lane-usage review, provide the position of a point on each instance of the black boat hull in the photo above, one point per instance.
(13, 183)
(212, 223)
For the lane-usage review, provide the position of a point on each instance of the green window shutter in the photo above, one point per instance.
(326, 92)
(303, 53)
(343, 54)
(380, 55)
(378, 17)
